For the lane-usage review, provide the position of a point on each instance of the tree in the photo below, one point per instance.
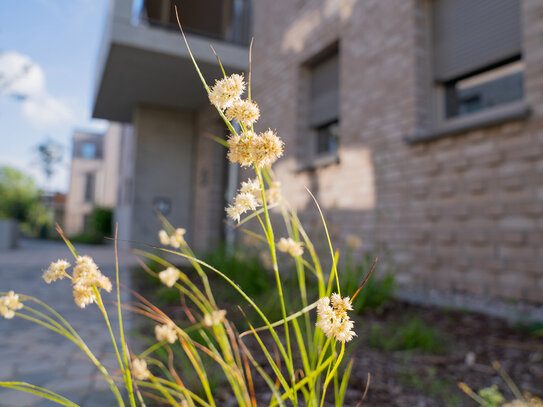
(18, 194)
(50, 153)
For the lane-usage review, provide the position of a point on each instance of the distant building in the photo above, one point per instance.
(93, 176)
(146, 78)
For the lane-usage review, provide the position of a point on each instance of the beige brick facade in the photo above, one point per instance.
(460, 213)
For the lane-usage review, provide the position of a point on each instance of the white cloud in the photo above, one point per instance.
(46, 111)
(22, 78)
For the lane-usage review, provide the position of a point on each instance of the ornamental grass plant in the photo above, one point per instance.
(299, 357)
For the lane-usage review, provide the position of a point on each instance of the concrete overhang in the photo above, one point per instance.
(145, 65)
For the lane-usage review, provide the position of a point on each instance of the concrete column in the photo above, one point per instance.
(164, 140)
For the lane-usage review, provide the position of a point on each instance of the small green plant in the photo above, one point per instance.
(492, 396)
(415, 334)
(431, 385)
(378, 291)
(242, 266)
(98, 227)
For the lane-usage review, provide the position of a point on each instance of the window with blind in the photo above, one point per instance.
(323, 104)
(477, 54)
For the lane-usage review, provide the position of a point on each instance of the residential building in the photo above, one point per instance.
(146, 78)
(93, 176)
(418, 125)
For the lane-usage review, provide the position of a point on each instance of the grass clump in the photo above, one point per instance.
(414, 334)
(378, 291)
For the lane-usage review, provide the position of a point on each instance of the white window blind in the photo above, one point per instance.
(472, 34)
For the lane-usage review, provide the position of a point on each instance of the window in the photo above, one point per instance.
(89, 187)
(88, 150)
(323, 105)
(477, 56)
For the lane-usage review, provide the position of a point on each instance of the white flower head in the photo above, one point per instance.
(9, 304)
(243, 202)
(164, 238)
(353, 242)
(226, 91)
(86, 275)
(215, 318)
(266, 149)
(240, 147)
(290, 246)
(56, 271)
(83, 295)
(165, 332)
(333, 319)
(251, 186)
(169, 276)
(273, 193)
(139, 369)
(244, 111)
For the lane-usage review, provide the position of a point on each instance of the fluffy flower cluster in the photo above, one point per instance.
(56, 271)
(243, 202)
(290, 246)
(353, 242)
(273, 193)
(86, 275)
(251, 186)
(9, 304)
(169, 276)
(244, 111)
(165, 332)
(333, 319)
(215, 318)
(248, 148)
(176, 240)
(139, 369)
(226, 91)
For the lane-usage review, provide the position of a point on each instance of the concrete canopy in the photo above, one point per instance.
(142, 65)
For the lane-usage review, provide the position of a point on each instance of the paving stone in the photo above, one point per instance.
(31, 353)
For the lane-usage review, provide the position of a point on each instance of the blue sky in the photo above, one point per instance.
(48, 54)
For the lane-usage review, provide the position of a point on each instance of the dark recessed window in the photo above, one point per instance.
(477, 51)
(323, 104)
(485, 90)
(89, 187)
(327, 138)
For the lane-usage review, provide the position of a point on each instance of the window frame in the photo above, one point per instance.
(438, 125)
(308, 157)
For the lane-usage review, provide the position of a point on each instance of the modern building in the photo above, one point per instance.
(93, 176)
(419, 126)
(145, 78)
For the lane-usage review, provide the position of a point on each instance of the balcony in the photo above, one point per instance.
(143, 60)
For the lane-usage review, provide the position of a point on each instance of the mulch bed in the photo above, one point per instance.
(472, 343)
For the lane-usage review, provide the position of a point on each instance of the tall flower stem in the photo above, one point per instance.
(273, 252)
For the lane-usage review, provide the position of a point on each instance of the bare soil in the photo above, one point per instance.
(471, 343)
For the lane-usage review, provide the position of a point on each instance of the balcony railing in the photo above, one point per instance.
(226, 20)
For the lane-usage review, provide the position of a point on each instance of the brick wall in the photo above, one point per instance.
(461, 213)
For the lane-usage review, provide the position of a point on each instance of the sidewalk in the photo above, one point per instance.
(31, 353)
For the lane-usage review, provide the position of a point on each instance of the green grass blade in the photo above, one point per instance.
(39, 391)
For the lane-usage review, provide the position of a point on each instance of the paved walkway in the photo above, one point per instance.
(31, 353)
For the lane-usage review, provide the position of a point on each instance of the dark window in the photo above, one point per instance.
(323, 109)
(490, 88)
(477, 51)
(89, 187)
(327, 138)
